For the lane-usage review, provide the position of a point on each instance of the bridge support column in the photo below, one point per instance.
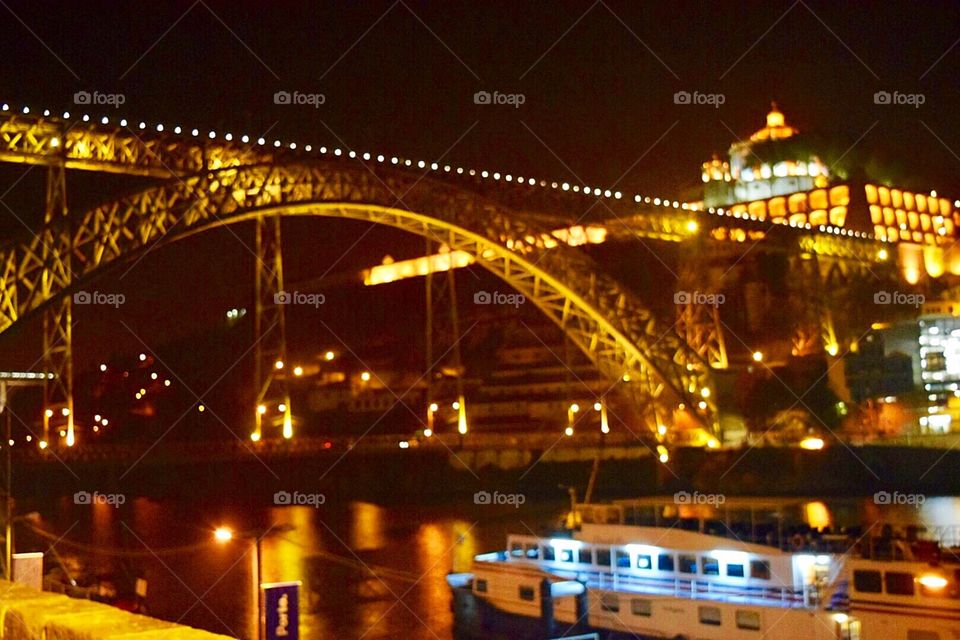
(814, 328)
(441, 291)
(698, 310)
(273, 394)
(58, 317)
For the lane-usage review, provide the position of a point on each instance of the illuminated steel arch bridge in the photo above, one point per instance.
(505, 223)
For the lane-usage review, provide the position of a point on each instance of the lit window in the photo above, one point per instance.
(760, 569)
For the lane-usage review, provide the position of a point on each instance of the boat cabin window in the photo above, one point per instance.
(711, 616)
(867, 581)
(688, 564)
(569, 555)
(516, 550)
(644, 562)
(623, 559)
(709, 566)
(760, 569)
(899, 584)
(533, 552)
(527, 593)
(748, 620)
(548, 553)
(665, 562)
(603, 557)
(585, 556)
(640, 607)
(480, 586)
(735, 571)
(610, 602)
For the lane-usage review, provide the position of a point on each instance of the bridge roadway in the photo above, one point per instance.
(469, 449)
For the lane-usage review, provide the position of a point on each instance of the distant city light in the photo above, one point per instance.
(278, 364)
(103, 367)
(365, 376)
(812, 444)
(223, 534)
(329, 355)
(758, 356)
(298, 371)
(143, 357)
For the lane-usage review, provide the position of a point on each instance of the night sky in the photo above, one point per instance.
(598, 82)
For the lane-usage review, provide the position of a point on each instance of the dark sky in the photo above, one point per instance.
(598, 82)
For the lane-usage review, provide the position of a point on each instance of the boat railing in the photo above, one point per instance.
(787, 597)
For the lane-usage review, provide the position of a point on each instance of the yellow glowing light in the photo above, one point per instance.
(43, 444)
(568, 431)
(713, 443)
(262, 409)
(932, 581)
(255, 436)
(96, 429)
(692, 226)
(143, 357)
(455, 405)
(663, 454)
(812, 444)
(758, 356)
(54, 142)
(461, 407)
(841, 618)
(662, 429)
(626, 377)
(298, 371)
(329, 355)
(48, 413)
(166, 383)
(64, 412)
(103, 367)
(201, 408)
(596, 406)
(287, 426)
(223, 534)
(63, 433)
(882, 255)
(365, 376)
(281, 407)
(105, 422)
(434, 407)
(278, 364)
(71, 439)
(705, 392)
(427, 432)
(575, 407)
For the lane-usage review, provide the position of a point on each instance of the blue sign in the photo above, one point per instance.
(281, 601)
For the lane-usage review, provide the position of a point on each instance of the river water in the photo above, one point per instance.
(368, 571)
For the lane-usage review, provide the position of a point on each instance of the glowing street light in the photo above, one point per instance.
(365, 376)
(298, 371)
(758, 356)
(223, 534)
(329, 355)
(278, 365)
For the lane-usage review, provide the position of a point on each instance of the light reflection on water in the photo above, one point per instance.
(368, 571)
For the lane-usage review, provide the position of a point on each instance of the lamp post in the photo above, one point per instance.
(223, 535)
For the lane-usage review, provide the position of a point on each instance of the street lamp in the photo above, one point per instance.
(223, 535)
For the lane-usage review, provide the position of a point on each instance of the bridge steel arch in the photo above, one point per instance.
(655, 366)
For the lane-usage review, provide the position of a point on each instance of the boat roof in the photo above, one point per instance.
(668, 538)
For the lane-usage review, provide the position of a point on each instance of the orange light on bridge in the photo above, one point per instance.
(223, 534)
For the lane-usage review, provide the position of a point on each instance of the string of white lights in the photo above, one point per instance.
(474, 173)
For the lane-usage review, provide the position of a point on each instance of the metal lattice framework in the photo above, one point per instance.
(603, 319)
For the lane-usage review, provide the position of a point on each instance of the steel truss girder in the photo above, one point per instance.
(602, 318)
